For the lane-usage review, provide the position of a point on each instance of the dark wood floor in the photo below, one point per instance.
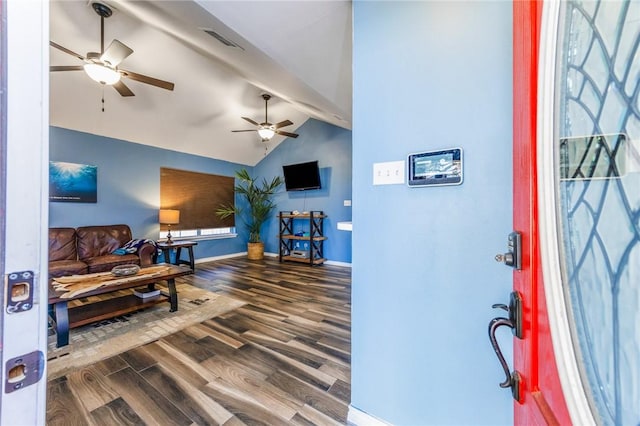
(283, 358)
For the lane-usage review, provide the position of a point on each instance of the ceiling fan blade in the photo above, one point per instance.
(66, 68)
(284, 123)
(148, 80)
(123, 89)
(65, 50)
(116, 53)
(250, 121)
(253, 130)
(291, 135)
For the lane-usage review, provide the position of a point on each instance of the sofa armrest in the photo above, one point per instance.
(147, 253)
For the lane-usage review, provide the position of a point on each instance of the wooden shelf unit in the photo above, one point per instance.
(313, 224)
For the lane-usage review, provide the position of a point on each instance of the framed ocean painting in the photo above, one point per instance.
(73, 183)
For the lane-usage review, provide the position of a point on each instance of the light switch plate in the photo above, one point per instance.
(388, 173)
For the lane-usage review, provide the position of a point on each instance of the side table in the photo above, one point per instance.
(178, 245)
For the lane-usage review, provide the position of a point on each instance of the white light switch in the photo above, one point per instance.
(347, 203)
(389, 173)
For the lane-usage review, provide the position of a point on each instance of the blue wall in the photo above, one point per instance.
(129, 185)
(331, 146)
(431, 75)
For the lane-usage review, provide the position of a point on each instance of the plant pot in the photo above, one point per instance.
(255, 251)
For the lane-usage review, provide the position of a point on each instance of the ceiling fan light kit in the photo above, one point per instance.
(266, 133)
(268, 130)
(103, 67)
(102, 73)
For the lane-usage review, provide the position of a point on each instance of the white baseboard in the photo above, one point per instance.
(336, 263)
(268, 254)
(328, 262)
(360, 418)
(224, 256)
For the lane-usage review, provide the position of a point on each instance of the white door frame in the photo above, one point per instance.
(26, 52)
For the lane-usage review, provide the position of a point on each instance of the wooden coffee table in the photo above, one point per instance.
(66, 318)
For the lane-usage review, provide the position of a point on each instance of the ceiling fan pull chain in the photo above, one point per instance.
(103, 98)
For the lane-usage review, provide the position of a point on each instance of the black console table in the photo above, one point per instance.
(178, 245)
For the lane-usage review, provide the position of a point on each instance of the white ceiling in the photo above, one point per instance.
(298, 51)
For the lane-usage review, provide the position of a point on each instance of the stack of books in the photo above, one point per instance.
(145, 293)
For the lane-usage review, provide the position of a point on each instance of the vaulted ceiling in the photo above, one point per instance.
(298, 51)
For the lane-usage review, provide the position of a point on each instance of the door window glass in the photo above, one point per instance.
(598, 183)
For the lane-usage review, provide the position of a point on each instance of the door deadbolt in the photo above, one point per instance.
(513, 256)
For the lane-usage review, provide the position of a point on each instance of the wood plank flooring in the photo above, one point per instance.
(283, 358)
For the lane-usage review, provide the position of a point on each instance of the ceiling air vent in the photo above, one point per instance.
(220, 38)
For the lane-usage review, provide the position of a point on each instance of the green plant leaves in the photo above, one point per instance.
(259, 199)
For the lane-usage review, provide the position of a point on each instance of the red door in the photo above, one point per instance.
(541, 398)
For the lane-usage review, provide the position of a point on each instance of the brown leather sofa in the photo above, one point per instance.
(89, 249)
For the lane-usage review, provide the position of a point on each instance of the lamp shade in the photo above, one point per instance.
(169, 217)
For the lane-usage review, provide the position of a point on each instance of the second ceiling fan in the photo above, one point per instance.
(103, 67)
(267, 130)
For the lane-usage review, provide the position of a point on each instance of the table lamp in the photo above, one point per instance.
(169, 217)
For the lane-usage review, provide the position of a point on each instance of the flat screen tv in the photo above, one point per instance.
(302, 176)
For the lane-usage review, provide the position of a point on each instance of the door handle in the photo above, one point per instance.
(514, 310)
(514, 322)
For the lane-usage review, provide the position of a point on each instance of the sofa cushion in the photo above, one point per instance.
(94, 241)
(61, 268)
(107, 262)
(62, 244)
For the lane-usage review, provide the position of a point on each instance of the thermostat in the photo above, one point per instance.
(430, 168)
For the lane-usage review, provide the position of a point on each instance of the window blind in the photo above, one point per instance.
(197, 196)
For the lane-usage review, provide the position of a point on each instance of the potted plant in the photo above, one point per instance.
(259, 205)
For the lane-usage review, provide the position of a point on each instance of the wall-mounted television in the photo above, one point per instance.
(301, 176)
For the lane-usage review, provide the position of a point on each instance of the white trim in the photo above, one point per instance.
(345, 226)
(570, 379)
(328, 262)
(224, 256)
(26, 211)
(267, 254)
(336, 263)
(199, 237)
(358, 417)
